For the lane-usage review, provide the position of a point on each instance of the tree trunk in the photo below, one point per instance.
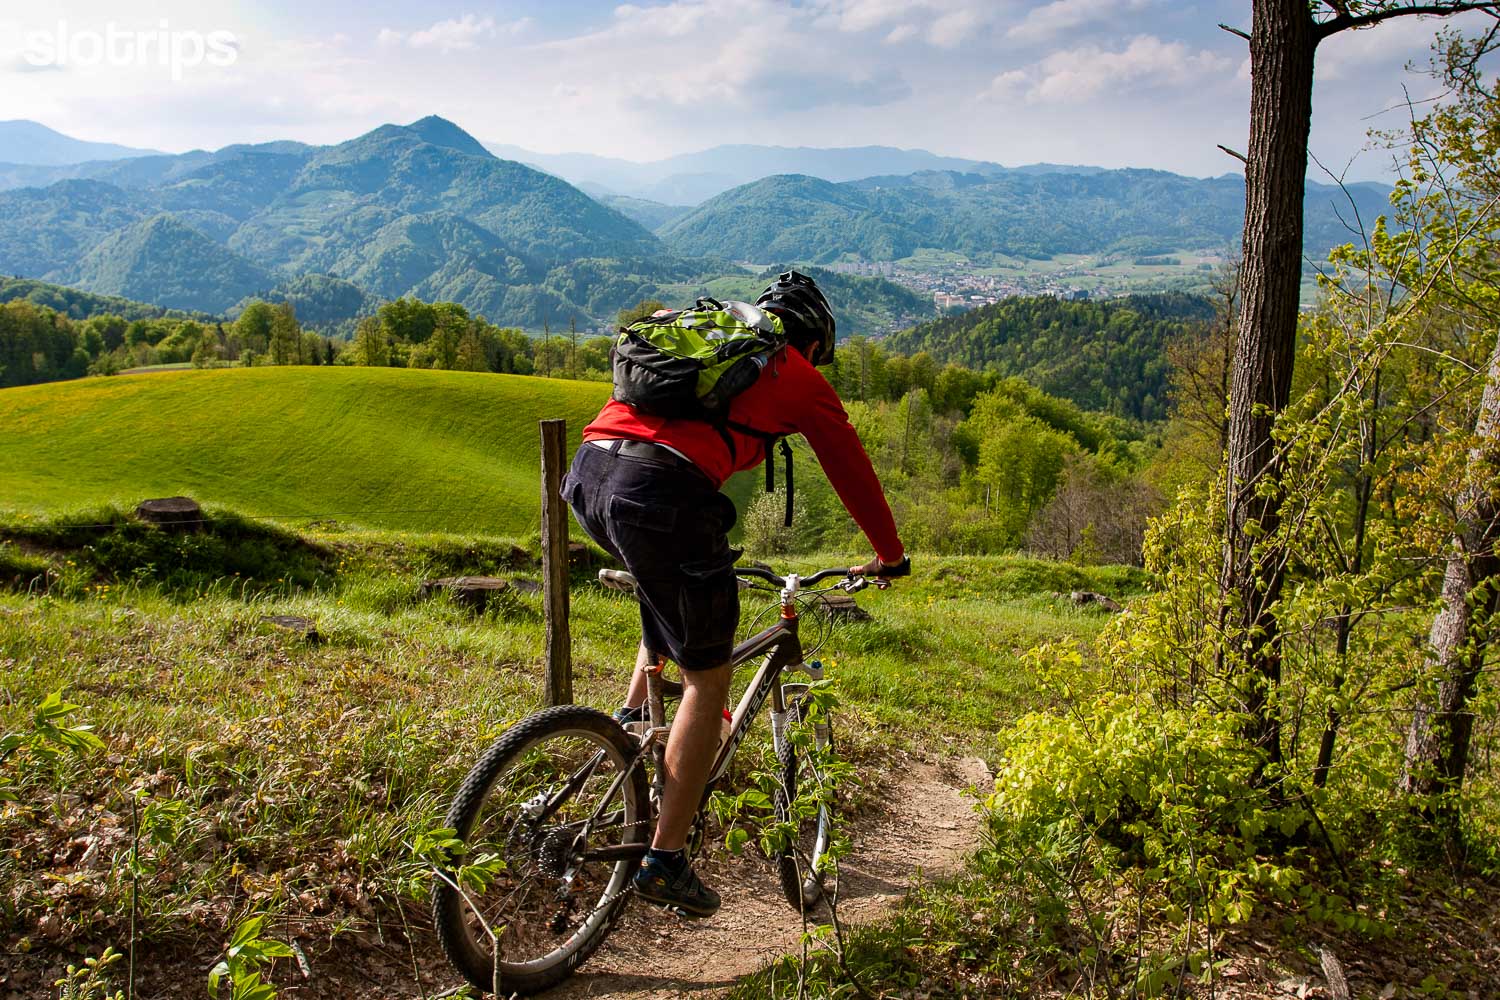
(1282, 45)
(1437, 741)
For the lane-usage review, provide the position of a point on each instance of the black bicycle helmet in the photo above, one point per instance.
(804, 312)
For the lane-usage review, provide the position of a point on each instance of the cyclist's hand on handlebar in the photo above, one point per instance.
(883, 572)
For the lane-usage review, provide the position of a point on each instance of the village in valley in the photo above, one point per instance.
(957, 283)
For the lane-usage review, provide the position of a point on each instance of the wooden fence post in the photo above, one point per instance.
(558, 689)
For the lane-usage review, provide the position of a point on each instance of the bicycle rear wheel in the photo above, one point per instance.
(560, 800)
(800, 864)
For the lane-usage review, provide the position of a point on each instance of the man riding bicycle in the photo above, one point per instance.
(646, 489)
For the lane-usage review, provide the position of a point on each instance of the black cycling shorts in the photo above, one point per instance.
(669, 525)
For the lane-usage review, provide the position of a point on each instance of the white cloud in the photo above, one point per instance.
(737, 73)
(1064, 15)
(942, 23)
(454, 34)
(1073, 76)
(460, 33)
(1348, 53)
(954, 28)
(672, 20)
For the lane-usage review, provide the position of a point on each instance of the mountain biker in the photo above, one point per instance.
(646, 489)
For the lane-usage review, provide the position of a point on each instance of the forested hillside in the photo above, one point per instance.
(76, 304)
(166, 261)
(1014, 213)
(1108, 356)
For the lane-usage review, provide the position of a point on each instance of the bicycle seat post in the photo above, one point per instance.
(656, 717)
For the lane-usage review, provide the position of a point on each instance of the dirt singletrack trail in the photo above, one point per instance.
(918, 823)
(915, 822)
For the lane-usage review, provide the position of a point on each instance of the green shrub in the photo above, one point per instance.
(110, 547)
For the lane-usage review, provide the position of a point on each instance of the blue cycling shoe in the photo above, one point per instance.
(657, 882)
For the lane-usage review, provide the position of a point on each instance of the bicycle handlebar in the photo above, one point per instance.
(780, 581)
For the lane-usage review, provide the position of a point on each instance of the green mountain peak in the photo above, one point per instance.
(442, 132)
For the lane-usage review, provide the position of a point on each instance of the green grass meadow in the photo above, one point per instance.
(382, 447)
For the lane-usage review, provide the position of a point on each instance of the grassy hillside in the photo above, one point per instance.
(419, 450)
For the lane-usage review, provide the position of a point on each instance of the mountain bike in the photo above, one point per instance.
(555, 817)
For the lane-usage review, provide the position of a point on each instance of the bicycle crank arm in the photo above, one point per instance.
(616, 852)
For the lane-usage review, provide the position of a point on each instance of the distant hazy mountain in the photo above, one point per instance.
(29, 142)
(651, 214)
(140, 171)
(1138, 212)
(690, 178)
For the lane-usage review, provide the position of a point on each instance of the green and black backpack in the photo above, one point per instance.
(690, 364)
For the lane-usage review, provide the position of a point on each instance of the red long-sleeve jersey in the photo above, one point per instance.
(790, 397)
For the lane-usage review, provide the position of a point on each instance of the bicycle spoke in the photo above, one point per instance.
(562, 811)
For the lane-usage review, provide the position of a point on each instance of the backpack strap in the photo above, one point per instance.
(786, 453)
(771, 441)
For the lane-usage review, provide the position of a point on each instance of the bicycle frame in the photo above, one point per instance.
(781, 645)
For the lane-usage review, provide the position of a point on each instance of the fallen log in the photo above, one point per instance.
(473, 591)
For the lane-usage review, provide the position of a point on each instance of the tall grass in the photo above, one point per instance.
(275, 772)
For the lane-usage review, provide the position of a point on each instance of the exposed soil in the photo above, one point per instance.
(922, 825)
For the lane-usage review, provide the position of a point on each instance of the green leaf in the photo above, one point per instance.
(247, 931)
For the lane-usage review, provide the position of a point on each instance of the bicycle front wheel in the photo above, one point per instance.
(804, 798)
(554, 820)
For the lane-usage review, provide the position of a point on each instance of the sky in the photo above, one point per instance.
(1114, 83)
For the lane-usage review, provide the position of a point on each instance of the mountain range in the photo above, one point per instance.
(691, 178)
(1019, 214)
(425, 209)
(418, 209)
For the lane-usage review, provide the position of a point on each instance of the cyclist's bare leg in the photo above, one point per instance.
(636, 696)
(690, 753)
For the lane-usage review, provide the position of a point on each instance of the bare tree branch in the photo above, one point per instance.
(1237, 156)
(1344, 21)
(1234, 31)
